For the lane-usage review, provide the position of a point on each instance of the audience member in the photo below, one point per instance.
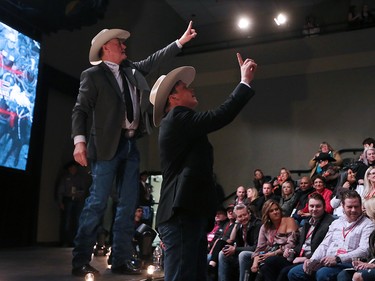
(320, 187)
(252, 199)
(240, 195)
(326, 169)
(267, 194)
(369, 184)
(367, 161)
(365, 271)
(324, 147)
(312, 233)
(281, 178)
(346, 238)
(146, 200)
(221, 220)
(354, 18)
(288, 200)
(223, 240)
(259, 179)
(277, 238)
(238, 255)
(304, 190)
(367, 17)
(72, 190)
(366, 143)
(347, 181)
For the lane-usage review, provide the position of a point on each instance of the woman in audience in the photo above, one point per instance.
(369, 184)
(324, 147)
(277, 238)
(368, 160)
(281, 178)
(252, 200)
(288, 199)
(347, 180)
(260, 179)
(320, 187)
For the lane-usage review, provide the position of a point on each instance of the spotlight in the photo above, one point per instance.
(280, 19)
(243, 23)
(89, 277)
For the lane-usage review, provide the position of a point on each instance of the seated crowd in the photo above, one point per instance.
(319, 227)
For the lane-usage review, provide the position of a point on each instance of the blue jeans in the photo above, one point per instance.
(230, 263)
(185, 240)
(124, 167)
(323, 274)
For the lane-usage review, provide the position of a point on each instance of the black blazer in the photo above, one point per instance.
(318, 234)
(100, 103)
(187, 156)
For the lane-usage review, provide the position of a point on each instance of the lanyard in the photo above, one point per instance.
(344, 234)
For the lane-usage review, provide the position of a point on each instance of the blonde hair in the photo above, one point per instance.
(254, 192)
(367, 185)
(370, 208)
(365, 154)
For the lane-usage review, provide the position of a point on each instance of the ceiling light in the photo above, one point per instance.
(243, 23)
(280, 19)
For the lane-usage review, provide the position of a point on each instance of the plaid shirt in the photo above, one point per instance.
(354, 244)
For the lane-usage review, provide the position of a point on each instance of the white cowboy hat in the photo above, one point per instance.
(103, 37)
(163, 86)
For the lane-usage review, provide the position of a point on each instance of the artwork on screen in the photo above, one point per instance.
(19, 61)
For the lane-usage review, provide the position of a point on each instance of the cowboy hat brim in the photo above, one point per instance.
(103, 37)
(163, 86)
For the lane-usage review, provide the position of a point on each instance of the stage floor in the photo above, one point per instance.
(51, 264)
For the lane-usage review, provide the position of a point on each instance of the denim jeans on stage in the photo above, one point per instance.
(185, 240)
(124, 170)
(323, 274)
(230, 263)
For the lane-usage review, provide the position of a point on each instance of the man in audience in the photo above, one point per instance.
(267, 194)
(346, 238)
(303, 192)
(245, 241)
(312, 233)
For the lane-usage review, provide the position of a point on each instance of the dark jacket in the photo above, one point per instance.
(303, 197)
(100, 102)
(187, 156)
(318, 234)
(251, 237)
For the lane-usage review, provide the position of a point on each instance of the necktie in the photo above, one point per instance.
(128, 99)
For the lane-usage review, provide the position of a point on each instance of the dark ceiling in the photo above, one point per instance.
(216, 19)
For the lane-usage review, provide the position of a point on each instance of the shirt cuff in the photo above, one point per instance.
(178, 44)
(79, 138)
(245, 84)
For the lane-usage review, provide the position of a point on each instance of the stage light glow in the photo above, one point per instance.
(280, 19)
(243, 23)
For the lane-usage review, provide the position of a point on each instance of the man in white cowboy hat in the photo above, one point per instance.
(187, 200)
(113, 98)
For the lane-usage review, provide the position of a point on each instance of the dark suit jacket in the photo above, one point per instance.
(100, 102)
(251, 237)
(318, 234)
(187, 156)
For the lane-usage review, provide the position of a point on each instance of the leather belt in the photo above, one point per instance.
(128, 133)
